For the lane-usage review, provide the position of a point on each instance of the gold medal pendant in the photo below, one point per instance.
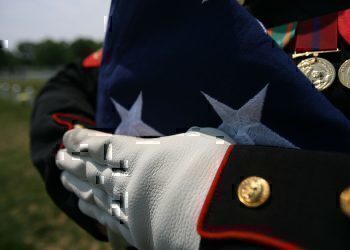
(319, 71)
(344, 74)
(241, 2)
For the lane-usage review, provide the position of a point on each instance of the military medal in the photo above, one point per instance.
(319, 71)
(344, 31)
(344, 74)
(317, 36)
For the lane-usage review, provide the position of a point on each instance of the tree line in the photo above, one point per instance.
(47, 53)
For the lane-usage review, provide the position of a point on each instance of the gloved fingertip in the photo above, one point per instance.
(59, 158)
(64, 182)
(68, 138)
(73, 139)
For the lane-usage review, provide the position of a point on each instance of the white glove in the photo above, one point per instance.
(155, 201)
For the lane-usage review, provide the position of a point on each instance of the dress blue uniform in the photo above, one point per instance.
(168, 66)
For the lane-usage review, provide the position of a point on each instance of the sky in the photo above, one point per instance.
(35, 20)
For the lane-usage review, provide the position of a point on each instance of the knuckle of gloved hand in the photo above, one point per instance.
(95, 173)
(97, 148)
(64, 181)
(73, 138)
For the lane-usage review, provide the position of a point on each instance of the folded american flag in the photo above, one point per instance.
(168, 66)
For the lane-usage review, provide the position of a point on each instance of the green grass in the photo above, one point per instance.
(28, 218)
(35, 84)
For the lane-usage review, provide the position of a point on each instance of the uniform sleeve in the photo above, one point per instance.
(306, 206)
(275, 12)
(66, 100)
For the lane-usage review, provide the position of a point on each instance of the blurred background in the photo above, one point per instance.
(37, 38)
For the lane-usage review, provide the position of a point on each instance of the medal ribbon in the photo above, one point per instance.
(318, 34)
(283, 34)
(344, 24)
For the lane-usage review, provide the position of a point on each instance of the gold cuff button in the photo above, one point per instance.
(345, 201)
(78, 126)
(253, 191)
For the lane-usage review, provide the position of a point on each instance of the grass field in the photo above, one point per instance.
(29, 219)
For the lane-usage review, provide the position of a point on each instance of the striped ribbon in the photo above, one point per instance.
(283, 34)
(318, 34)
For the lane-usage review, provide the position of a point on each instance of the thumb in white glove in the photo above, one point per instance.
(155, 201)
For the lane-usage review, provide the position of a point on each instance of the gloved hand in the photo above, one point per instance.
(150, 191)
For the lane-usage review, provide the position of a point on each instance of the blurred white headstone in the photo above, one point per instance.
(5, 90)
(15, 91)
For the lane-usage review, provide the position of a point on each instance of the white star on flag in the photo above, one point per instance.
(131, 123)
(244, 125)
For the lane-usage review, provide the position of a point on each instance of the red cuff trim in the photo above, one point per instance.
(94, 60)
(57, 117)
(220, 234)
(67, 121)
